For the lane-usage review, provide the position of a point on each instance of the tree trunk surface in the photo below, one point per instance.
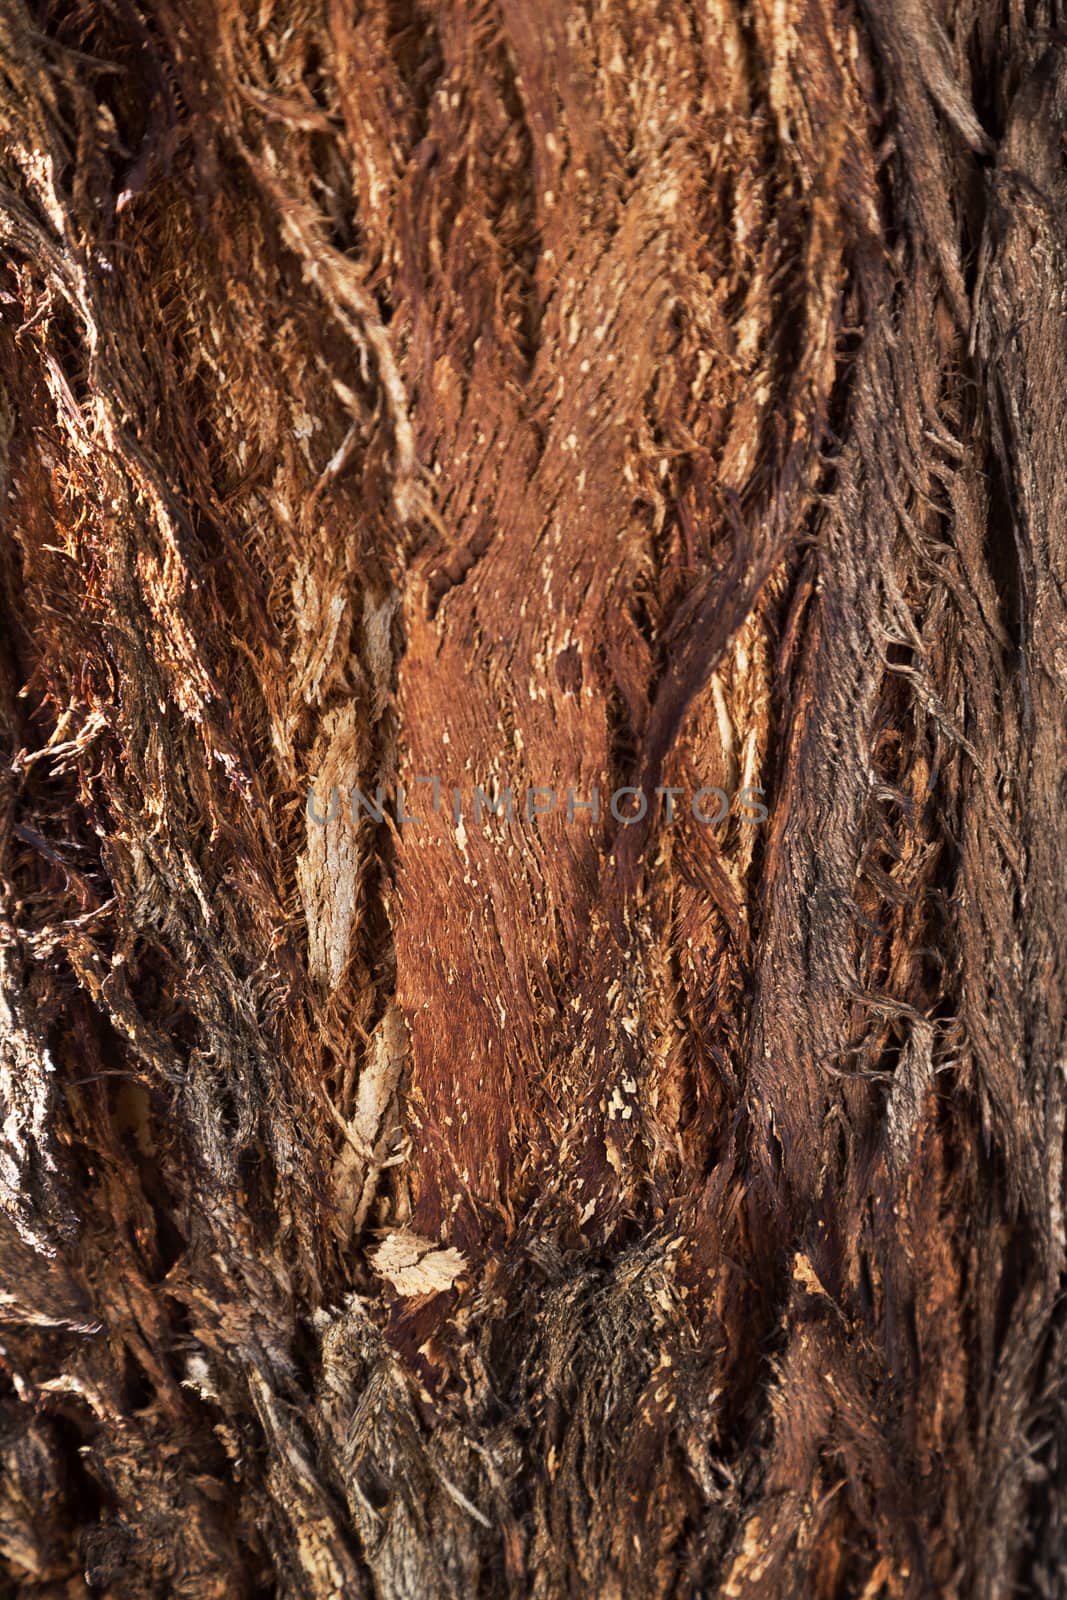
(467, 411)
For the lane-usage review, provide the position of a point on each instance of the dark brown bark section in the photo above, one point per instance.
(575, 395)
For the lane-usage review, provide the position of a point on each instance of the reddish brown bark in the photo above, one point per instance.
(583, 396)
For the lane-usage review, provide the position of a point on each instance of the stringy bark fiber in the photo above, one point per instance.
(574, 393)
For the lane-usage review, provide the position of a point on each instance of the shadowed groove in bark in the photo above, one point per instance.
(573, 395)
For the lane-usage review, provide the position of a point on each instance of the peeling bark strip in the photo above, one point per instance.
(652, 397)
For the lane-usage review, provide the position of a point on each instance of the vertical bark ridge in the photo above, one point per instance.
(403, 399)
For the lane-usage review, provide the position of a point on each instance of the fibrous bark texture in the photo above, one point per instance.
(401, 399)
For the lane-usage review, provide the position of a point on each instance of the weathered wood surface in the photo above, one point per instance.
(571, 395)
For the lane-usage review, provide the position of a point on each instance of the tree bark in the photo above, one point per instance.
(407, 400)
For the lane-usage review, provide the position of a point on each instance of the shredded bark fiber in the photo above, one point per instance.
(576, 394)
